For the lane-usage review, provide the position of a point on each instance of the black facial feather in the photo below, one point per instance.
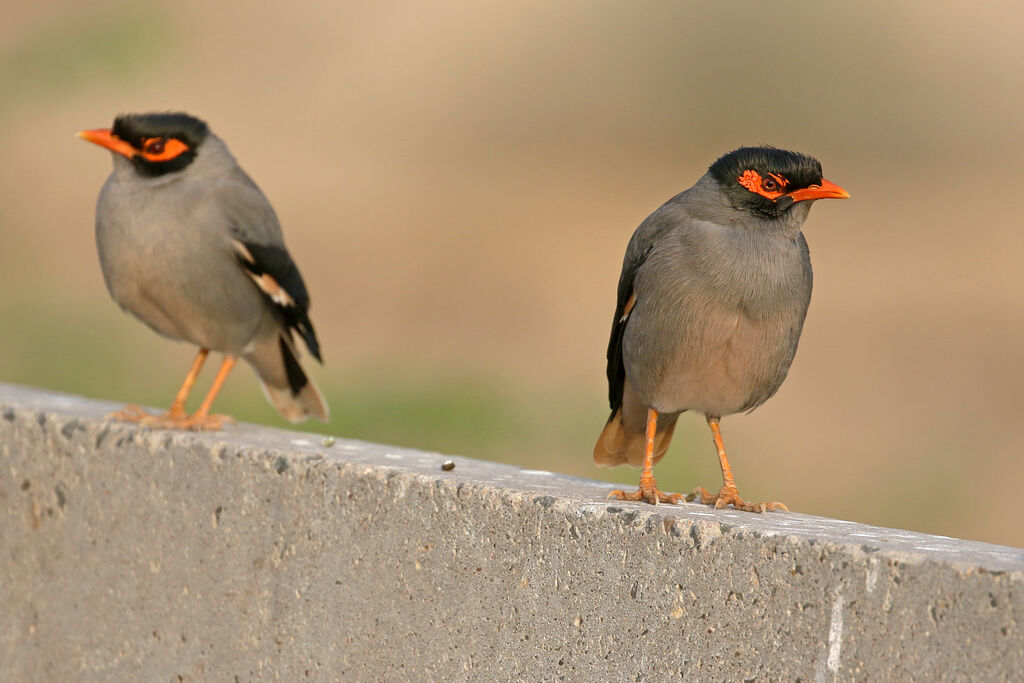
(134, 128)
(799, 169)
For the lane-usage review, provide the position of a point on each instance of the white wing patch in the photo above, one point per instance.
(267, 284)
(272, 289)
(243, 251)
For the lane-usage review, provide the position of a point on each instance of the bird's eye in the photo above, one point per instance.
(770, 184)
(158, 150)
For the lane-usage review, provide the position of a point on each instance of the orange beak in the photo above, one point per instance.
(827, 190)
(104, 138)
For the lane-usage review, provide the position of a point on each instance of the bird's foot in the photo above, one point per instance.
(130, 413)
(172, 419)
(730, 495)
(202, 423)
(649, 494)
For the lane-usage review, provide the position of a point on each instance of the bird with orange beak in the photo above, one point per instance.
(189, 245)
(712, 297)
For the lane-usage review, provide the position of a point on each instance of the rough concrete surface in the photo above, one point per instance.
(261, 554)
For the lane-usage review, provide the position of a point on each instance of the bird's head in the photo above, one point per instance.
(155, 144)
(768, 182)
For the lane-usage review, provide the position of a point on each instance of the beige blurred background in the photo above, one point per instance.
(458, 182)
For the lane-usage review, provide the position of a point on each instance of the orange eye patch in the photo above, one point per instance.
(770, 187)
(162, 149)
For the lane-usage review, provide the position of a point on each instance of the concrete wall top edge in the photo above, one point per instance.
(282, 451)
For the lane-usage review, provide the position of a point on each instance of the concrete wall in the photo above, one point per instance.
(259, 554)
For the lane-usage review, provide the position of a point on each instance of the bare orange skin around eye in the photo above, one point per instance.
(753, 181)
(151, 151)
(171, 149)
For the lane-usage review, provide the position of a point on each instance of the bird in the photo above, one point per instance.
(714, 289)
(189, 245)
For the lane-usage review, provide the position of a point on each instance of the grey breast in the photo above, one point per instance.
(166, 255)
(717, 319)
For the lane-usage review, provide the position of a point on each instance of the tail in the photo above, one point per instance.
(284, 382)
(622, 441)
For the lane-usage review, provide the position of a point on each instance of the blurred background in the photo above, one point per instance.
(458, 184)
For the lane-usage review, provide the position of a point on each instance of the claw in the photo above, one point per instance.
(730, 495)
(649, 495)
(172, 419)
(130, 413)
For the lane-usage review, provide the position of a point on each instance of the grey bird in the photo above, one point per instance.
(190, 246)
(714, 289)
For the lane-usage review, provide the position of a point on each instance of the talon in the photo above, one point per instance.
(172, 419)
(729, 495)
(702, 494)
(649, 495)
(130, 413)
(209, 423)
(673, 498)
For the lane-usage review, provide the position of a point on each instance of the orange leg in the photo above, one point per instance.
(648, 490)
(178, 406)
(729, 494)
(176, 417)
(202, 419)
(133, 413)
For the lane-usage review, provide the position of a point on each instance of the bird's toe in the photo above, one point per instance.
(130, 413)
(208, 423)
(652, 495)
(729, 495)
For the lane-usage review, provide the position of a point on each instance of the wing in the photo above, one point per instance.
(616, 370)
(259, 246)
(277, 276)
(640, 245)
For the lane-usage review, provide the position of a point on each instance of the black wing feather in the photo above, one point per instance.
(650, 231)
(297, 379)
(616, 369)
(277, 263)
